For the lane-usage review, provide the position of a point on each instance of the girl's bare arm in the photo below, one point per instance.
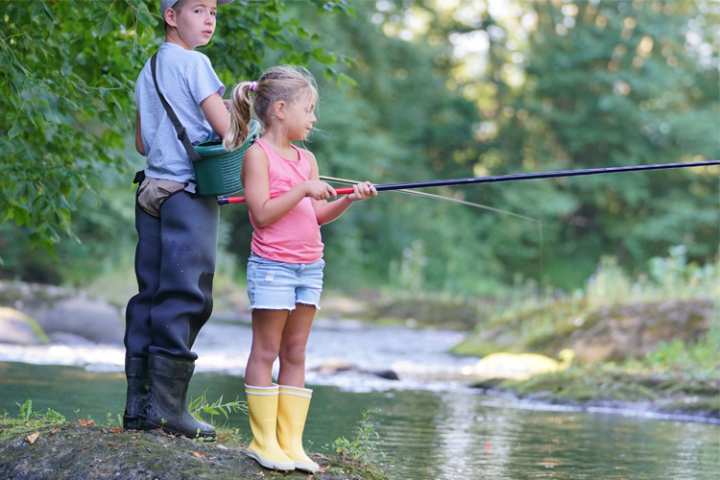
(265, 210)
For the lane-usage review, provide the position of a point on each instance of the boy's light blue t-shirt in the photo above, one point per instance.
(185, 78)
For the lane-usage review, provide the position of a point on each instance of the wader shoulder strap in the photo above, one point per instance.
(181, 132)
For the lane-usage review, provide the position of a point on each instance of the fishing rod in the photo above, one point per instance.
(433, 196)
(510, 178)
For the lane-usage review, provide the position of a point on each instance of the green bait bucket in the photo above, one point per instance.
(217, 172)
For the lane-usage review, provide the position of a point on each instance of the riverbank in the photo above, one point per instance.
(644, 344)
(49, 447)
(616, 390)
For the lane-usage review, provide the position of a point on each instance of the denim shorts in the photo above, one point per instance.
(277, 285)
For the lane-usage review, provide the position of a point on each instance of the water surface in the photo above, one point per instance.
(427, 434)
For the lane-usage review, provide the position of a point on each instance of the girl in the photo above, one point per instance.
(287, 203)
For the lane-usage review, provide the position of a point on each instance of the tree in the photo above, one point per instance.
(397, 120)
(67, 91)
(605, 83)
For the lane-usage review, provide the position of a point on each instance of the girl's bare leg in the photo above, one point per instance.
(267, 328)
(293, 345)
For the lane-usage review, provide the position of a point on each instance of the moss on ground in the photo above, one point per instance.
(611, 385)
(664, 355)
(45, 449)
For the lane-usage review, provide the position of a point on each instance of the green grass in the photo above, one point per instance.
(543, 322)
(675, 375)
(667, 392)
(29, 421)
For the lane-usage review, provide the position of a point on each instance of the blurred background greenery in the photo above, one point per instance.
(409, 90)
(622, 269)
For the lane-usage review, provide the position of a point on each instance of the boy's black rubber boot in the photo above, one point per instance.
(167, 408)
(138, 392)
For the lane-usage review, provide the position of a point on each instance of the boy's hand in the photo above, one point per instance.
(319, 190)
(363, 191)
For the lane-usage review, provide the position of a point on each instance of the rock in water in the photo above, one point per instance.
(19, 329)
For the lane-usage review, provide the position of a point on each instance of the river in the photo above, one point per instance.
(425, 426)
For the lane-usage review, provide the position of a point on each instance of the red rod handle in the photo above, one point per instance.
(231, 200)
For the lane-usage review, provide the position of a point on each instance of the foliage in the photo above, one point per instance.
(200, 405)
(610, 83)
(556, 85)
(66, 91)
(104, 225)
(25, 410)
(28, 420)
(668, 277)
(361, 447)
(378, 129)
(578, 86)
(67, 82)
(699, 359)
(546, 322)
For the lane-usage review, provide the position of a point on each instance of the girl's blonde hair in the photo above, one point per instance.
(283, 82)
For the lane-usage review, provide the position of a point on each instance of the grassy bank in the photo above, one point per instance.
(654, 339)
(614, 386)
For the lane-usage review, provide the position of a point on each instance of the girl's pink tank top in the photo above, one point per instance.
(295, 237)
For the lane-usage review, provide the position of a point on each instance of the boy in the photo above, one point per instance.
(177, 230)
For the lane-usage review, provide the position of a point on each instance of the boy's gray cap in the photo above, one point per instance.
(165, 4)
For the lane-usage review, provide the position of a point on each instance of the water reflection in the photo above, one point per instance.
(474, 441)
(456, 445)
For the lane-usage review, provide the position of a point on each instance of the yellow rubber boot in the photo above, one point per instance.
(293, 406)
(262, 410)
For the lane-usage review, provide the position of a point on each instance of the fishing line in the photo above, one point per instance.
(438, 197)
(537, 221)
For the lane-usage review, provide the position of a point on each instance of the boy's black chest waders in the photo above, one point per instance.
(217, 171)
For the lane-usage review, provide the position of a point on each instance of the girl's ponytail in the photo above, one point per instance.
(240, 106)
(283, 82)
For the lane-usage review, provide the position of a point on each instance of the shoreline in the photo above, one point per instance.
(534, 394)
(642, 410)
(604, 389)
